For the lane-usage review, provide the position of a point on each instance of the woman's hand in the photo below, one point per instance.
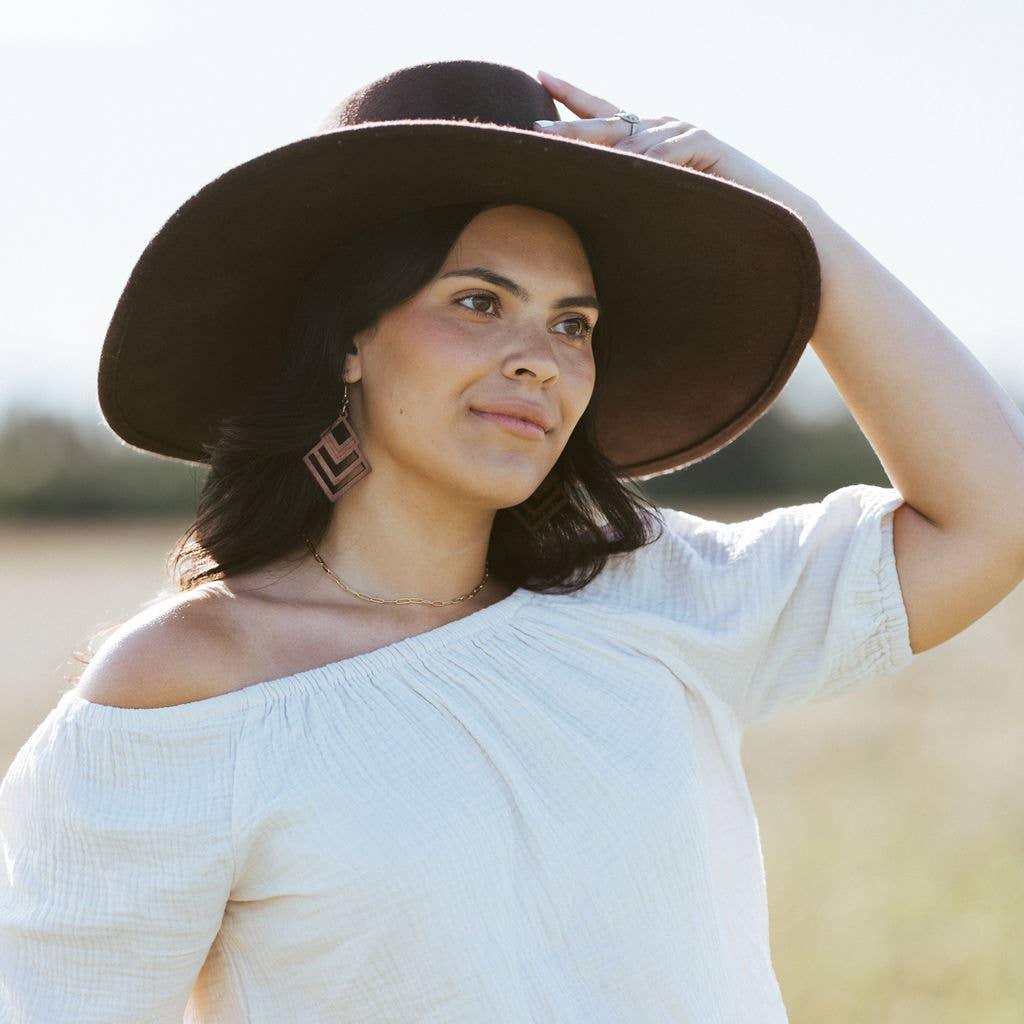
(664, 138)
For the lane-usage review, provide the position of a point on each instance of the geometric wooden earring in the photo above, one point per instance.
(336, 460)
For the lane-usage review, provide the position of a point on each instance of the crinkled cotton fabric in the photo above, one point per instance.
(535, 813)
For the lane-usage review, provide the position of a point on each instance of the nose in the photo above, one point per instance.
(531, 353)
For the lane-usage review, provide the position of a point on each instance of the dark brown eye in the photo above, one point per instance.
(478, 295)
(585, 326)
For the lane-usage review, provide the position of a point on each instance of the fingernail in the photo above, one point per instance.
(547, 74)
(543, 124)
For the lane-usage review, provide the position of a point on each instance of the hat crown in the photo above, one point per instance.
(455, 90)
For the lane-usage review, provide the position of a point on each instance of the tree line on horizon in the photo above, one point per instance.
(57, 466)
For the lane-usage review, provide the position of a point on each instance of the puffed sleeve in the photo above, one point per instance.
(798, 604)
(118, 859)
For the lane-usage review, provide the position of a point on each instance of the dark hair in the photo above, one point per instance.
(259, 498)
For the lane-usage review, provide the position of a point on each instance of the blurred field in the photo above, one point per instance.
(892, 820)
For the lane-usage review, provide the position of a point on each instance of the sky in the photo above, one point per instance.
(902, 119)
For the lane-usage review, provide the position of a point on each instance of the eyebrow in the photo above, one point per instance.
(518, 290)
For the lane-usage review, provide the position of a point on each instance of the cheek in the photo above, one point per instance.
(579, 376)
(427, 370)
(444, 346)
(578, 385)
(418, 366)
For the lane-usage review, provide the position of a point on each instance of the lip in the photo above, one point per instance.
(519, 409)
(524, 428)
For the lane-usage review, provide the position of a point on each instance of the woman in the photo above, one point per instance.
(437, 727)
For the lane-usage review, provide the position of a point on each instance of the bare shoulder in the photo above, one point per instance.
(175, 651)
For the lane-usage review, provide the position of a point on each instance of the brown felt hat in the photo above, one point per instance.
(709, 290)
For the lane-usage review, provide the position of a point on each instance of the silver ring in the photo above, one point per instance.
(633, 119)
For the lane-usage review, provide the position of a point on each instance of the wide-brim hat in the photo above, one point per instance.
(709, 290)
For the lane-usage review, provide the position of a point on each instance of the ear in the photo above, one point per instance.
(353, 369)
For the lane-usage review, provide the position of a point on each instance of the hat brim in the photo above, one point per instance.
(709, 290)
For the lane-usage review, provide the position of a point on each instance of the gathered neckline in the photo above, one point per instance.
(236, 702)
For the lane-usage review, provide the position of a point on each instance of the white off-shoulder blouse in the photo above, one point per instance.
(535, 813)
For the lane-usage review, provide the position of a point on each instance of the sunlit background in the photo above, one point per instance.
(892, 820)
(903, 119)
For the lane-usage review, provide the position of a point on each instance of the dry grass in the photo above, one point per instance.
(892, 819)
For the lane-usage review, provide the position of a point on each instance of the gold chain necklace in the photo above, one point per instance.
(403, 600)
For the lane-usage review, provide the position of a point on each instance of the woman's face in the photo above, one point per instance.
(463, 343)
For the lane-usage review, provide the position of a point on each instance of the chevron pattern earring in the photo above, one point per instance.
(547, 501)
(336, 461)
